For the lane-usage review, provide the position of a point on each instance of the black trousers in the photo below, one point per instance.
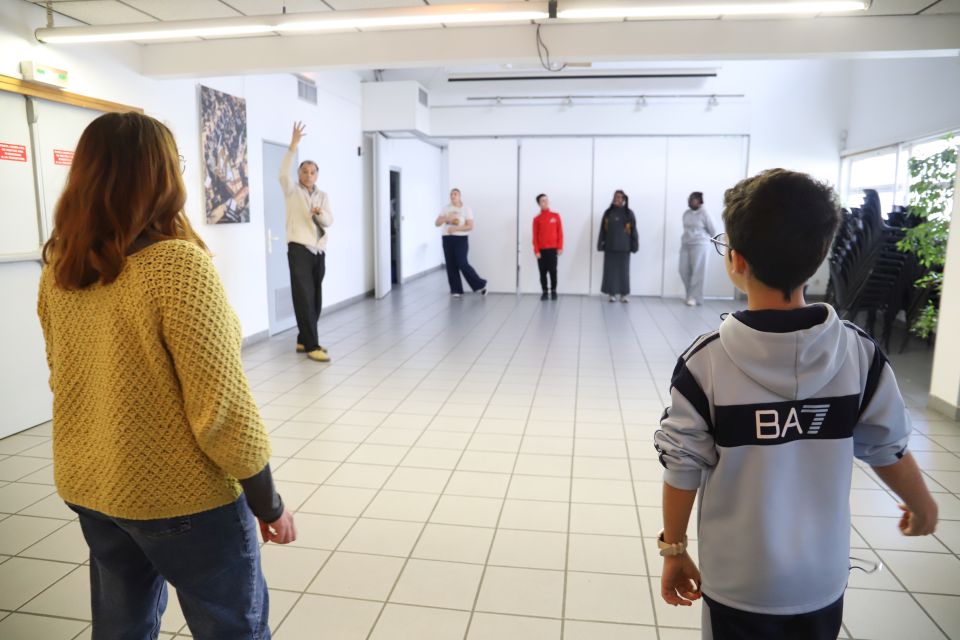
(455, 256)
(733, 624)
(306, 285)
(548, 265)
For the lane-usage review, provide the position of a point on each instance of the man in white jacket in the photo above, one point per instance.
(308, 217)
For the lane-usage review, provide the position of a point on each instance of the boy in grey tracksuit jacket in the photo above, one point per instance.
(766, 417)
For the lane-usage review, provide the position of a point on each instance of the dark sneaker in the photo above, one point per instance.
(545, 296)
(553, 295)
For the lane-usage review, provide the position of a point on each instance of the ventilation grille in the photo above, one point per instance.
(423, 98)
(307, 90)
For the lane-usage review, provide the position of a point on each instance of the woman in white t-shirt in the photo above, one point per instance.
(457, 221)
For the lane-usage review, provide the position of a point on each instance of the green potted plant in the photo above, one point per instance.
(932, 181)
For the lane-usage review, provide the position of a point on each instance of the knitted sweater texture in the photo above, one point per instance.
(152, 412)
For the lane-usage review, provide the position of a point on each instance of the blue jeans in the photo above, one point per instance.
(212, 558)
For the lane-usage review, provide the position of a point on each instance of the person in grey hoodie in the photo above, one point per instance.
(697, 231)
(767, 415)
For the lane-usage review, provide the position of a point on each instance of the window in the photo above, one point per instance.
(877, 170)
(886, 171)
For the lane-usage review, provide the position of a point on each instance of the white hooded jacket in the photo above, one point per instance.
(767, 415)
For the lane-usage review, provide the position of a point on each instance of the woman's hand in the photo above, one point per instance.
(299, 130)
(680, 583)
(282, 530)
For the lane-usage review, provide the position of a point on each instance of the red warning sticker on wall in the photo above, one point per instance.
(13, 152)
(62, 156)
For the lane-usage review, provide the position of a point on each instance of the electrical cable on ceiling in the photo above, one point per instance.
(544, 54)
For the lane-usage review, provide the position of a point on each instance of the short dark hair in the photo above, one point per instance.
(698, 195)
(542, 195)
(783, 223)
(315, 166)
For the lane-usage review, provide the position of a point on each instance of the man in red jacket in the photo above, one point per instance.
(547, 244)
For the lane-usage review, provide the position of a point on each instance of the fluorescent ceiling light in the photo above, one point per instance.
(148, 31)
(404, 17)
(704, 9)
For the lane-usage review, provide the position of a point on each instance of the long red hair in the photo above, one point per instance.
(124, 185)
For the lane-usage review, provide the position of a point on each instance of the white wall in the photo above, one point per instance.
(899, 100)
(423, 193)
(334, 133)
(792, 111)
(110, 72)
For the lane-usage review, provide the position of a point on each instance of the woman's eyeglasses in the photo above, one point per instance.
(720, 243)
(183, 164)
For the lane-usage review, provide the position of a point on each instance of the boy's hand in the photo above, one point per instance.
(538, 255)
(680, 583)
(917, 524)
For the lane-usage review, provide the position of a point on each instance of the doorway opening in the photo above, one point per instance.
(395, 220)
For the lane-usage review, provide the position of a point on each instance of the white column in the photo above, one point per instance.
(945, 380)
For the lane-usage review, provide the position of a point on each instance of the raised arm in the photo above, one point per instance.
(286, 181)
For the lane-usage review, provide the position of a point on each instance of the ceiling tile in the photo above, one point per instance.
(896, 7)
(275, 7)
(184, 9)
(100, 12)
(945, 6)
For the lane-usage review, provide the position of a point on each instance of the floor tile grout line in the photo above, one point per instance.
(536, 311)
(573, 453)
(357, 519)
(515, 308)
(633, 486)
(478, 323)
(901, 583)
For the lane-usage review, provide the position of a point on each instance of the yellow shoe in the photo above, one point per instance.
(319, 355)
(303, 349)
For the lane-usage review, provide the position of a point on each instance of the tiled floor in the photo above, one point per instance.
(483, 469)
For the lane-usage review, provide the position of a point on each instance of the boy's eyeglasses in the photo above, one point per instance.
(720, 243)
(183, 164)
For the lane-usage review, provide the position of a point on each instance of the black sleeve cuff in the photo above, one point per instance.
(262, 496)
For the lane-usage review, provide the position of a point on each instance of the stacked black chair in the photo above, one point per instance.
(868, 273)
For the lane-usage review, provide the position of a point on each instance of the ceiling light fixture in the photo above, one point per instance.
(403, 17)
(705, 8)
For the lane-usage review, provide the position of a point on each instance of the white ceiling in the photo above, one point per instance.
(106, 12)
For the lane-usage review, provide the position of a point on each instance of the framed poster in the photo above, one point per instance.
(223, 143)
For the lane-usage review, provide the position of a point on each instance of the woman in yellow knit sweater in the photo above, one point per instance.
(157, 442)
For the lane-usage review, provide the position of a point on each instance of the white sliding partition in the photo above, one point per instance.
(711, 165)
(638, 166)
(562, 168)
(21, 233)
(59, 126)
(485, 171)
